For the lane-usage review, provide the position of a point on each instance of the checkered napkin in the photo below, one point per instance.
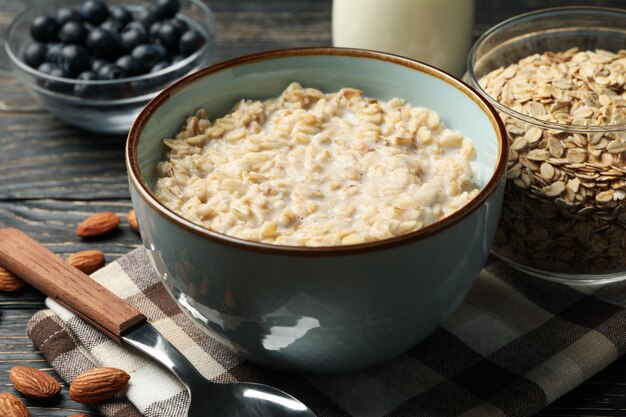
(516, 344)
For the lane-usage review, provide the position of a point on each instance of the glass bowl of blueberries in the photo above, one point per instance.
(96, 64)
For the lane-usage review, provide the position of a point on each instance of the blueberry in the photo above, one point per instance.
(180, 24)
(55, 71)
(165, 9)
(104, 44)
(169, 36)
(146, 18)
(148, 55)
(161, 65)
(120, 14)
(112, 26)
(46, 67)
(76, 59)
(87, 76)
(35, 54)
(190, 42)
(59, 72)
(97, 63)
(57, 85)
(110, 72)
(134, 25)
(65, 14)
(44, 29)
(73, 32)
(94, 11)
(53, 54)
(161, 51)
(86, 90)
(132, 38)
(153, 32)
(129, 65)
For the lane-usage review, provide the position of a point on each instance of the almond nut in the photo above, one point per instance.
(87, 261)
(33, 383)
(9, 282)
(11, 406)
(131, 218)
(97, 225)
(98, 384)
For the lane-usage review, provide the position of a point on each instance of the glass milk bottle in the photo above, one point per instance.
(437, 32)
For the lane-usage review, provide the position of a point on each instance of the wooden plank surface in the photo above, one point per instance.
(53, 175)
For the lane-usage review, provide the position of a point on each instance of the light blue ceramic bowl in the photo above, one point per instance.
(326, 309)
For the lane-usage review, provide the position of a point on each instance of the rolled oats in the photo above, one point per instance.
(567, 188)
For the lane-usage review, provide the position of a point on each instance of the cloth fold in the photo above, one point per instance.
(516, 344)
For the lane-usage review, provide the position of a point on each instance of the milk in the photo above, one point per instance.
(437, 32)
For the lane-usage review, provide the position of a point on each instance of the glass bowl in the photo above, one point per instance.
(108, 106)
(564, 214)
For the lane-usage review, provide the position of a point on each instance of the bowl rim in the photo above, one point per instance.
(529, 16)
(204, 50)
(145, 193)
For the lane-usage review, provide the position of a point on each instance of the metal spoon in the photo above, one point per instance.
(41, 268)
(209, 398)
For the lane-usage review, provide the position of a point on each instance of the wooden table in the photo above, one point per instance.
(53, 175)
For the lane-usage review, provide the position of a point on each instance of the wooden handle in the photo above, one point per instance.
(41, 268)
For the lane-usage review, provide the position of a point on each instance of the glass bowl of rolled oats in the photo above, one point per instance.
(557, 78)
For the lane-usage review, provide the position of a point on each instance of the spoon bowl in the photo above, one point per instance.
(244, 400)
(240, 399)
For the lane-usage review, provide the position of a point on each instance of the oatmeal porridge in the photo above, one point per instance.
(315, 169)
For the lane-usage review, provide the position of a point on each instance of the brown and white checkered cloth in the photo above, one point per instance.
(516, 344)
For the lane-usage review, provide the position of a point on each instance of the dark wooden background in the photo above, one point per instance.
(53, 175)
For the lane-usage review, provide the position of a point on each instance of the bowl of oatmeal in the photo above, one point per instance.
(559, 88)
(318, 209)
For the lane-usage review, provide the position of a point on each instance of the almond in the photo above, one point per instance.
(33, 383)
(131, 218)
(9, 282)
(98, 384)
(87, 261)
(11, 406)
(97, 225)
